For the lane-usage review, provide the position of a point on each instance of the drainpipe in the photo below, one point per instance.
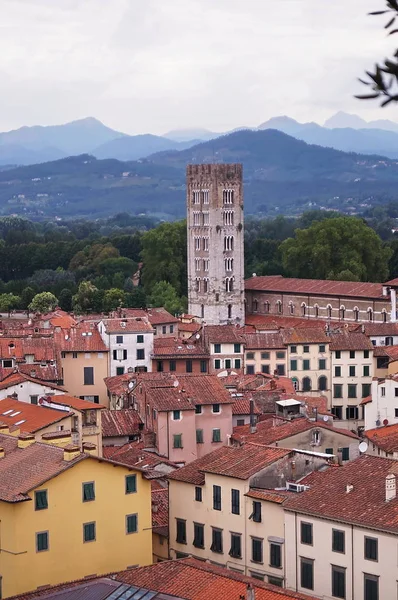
(168, 441)
(352, 562)
(295, 543)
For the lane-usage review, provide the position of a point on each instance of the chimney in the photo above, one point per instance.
(4, 429)
(391, 487)
(250, 592)
(71, 451)
(253, 425)
(2, 453)
(348, 488)
(25, 440)
(90, 448)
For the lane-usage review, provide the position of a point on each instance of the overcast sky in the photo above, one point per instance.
(154, 65)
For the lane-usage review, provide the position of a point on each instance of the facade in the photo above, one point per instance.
(27, 389)
(381, 407)
(341, 533)
(348, 302)
(225, 346)
(60, 523)
(130, 344)
(382, 441)
(215, 243)
(265, 353)
(177, 355)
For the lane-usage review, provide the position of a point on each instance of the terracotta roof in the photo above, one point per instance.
(129, 325)
(312, 402)
(120, 422)
(72, 401)
(364, 505)
(258, 341)
(390, 351)
(366, 400)
(380, 351)
(267, 495)
(231, 461)
(385, 438)
(176, 347)
(223, 334)
(135, 454)
(190, 327)
(392, 282)
(156, 316)
(196, 580)
(306, 336)
(84, 338)
(350, 340)
(268, 434)
(160, 511)
(315, 287)
(265, 322)
(118, 384)
(381, 329)
(57, 434)
(29, 417)
(241, 406)
(17, 377)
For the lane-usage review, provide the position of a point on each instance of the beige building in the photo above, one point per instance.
(341, 533)
(224, 508)
(225, 345)
(265, 353)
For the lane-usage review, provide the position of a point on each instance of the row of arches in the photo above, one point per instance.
(330, 311)
(306, 384)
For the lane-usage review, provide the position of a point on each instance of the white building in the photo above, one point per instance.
(215, 243)
(381, 408)
(130, 343)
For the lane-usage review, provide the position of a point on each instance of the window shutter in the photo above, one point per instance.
(124, 354)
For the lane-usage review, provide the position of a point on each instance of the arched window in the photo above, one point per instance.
(329, 311)
(342, 312)
(316, 309)
(356, 313)
(229, 311)
(279, 307)
(266, 307)
(202, 311)
(384, 315)
(205, 284)
(322, 383)
(255, 305)
(370, 314)
(296, 384)
(291, 308)
(306, 384)
(303, 309)
(197, 284)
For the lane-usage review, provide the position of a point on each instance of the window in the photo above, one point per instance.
(119, 339)
(88, 375)
(188, 365)
(237, 348)
(307, 573)
(235, 502)
(371, 587)
(216, 408)
(131, 523)
(337, 411)
(322, 348)
(280, 369)
(119, 370)
(171, 328)
(329, 451)
(198, 494)
(177, 440)
(216, 437)
(172, 365)
(42, 541)
(131, 484)
(280, 354)
(237, 363)
(345, 453)
(351, 371)
(306, 385)
(366, 353)
(366, 389)
(366, 371)
(265, 355)
(250, 356)
(352, 412)
(236, 545)
(176, 415)
(74, 355)
(140, 354)
(203, 366)
(306, 533)
(198, 409)
(240, 422)
(159, 366)
(338, 582)
(164, 329)
(88, 491)
(140, 339)
(250, 370)
(216, 542)
(306, 365)
(338, 541)
(181, 537)
(256, 514)
(217, 348)
(34, 399)
(322, 383)
(371, 550)
(337, 390)
(383, 391)
(275, 555)
(293, 349)
(264, 369)
(217, 363)
(216, 497)
(198, 535)
(396, 412)
(257, 550)
(306, 349)
(338, 353)
(382, 362)
(227, 363)
(322, 364)
(41, 501)
(89, 532)
(293, 365)
(352, 390)
(337, 371)
(352, 353)
(275, 581)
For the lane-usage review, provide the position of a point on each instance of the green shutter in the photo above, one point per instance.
(131, 484)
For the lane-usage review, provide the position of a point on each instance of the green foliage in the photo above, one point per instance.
(43, 302)
(27, 296)
(164, 294)
(86, 299)
(113, 298)
(65, 299)
(334, 249)
(164, 256)
(8, 302)
(110, 266)
(136, 298)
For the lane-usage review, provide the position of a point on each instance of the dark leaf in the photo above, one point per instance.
(368, 96)
(364, 82)
(385, 102)
(393, 31)
(389, 23)
(379, 12)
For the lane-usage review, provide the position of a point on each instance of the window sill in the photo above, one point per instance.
(275, 567)
(256, 562)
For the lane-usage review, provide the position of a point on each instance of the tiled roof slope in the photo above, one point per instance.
(17, 377)
(364, 505)
(196, 580)
(138, 325)
(241, 406)
(316, 287)
(177, 347)
(120, 422)
(84, 338)
(268, 434)
(160, 511)
(73, 402)
(135, 454)
(223, 334)
(385, 438)
(239, 462)
(258, 341)
(350, 340)
(315, 335)
(33, 417)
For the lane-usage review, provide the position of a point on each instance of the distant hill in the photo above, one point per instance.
(344, 120)
(186, 135)
(133, 147)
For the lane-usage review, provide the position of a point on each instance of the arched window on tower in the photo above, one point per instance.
(322, 383)
(205, 284)
(279, 307)
(266, 307)
(202, 311)
(255, 305)
(303, 309)
(356, 313)
(296, 384)
(291, 308)
(342, 312)
(197, 284)
(329, 311)
(229, 311)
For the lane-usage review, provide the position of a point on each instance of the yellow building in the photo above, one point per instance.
(74, 516)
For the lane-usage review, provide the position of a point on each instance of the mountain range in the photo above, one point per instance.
(37, 144)
(283, 175)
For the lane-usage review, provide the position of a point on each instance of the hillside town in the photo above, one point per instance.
(245, 450)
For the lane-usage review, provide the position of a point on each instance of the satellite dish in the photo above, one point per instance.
(385, 422)
(131, 385)
(326, 418)
(378, 423)
(176, 383)
(363, 447)
(197, 336)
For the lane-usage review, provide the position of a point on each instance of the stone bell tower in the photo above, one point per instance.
(215, 243)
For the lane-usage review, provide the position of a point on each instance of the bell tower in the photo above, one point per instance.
(215, 243)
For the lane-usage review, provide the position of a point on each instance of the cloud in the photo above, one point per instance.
(156, 65)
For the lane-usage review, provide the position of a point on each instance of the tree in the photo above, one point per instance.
(338, 248)
(27, 296)
(112, 299)
(43, 302)
(65, 300)
(136, 298)
(124, 265)
(83, 301)
(383, 81)
(164, 294)
(8, 302)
